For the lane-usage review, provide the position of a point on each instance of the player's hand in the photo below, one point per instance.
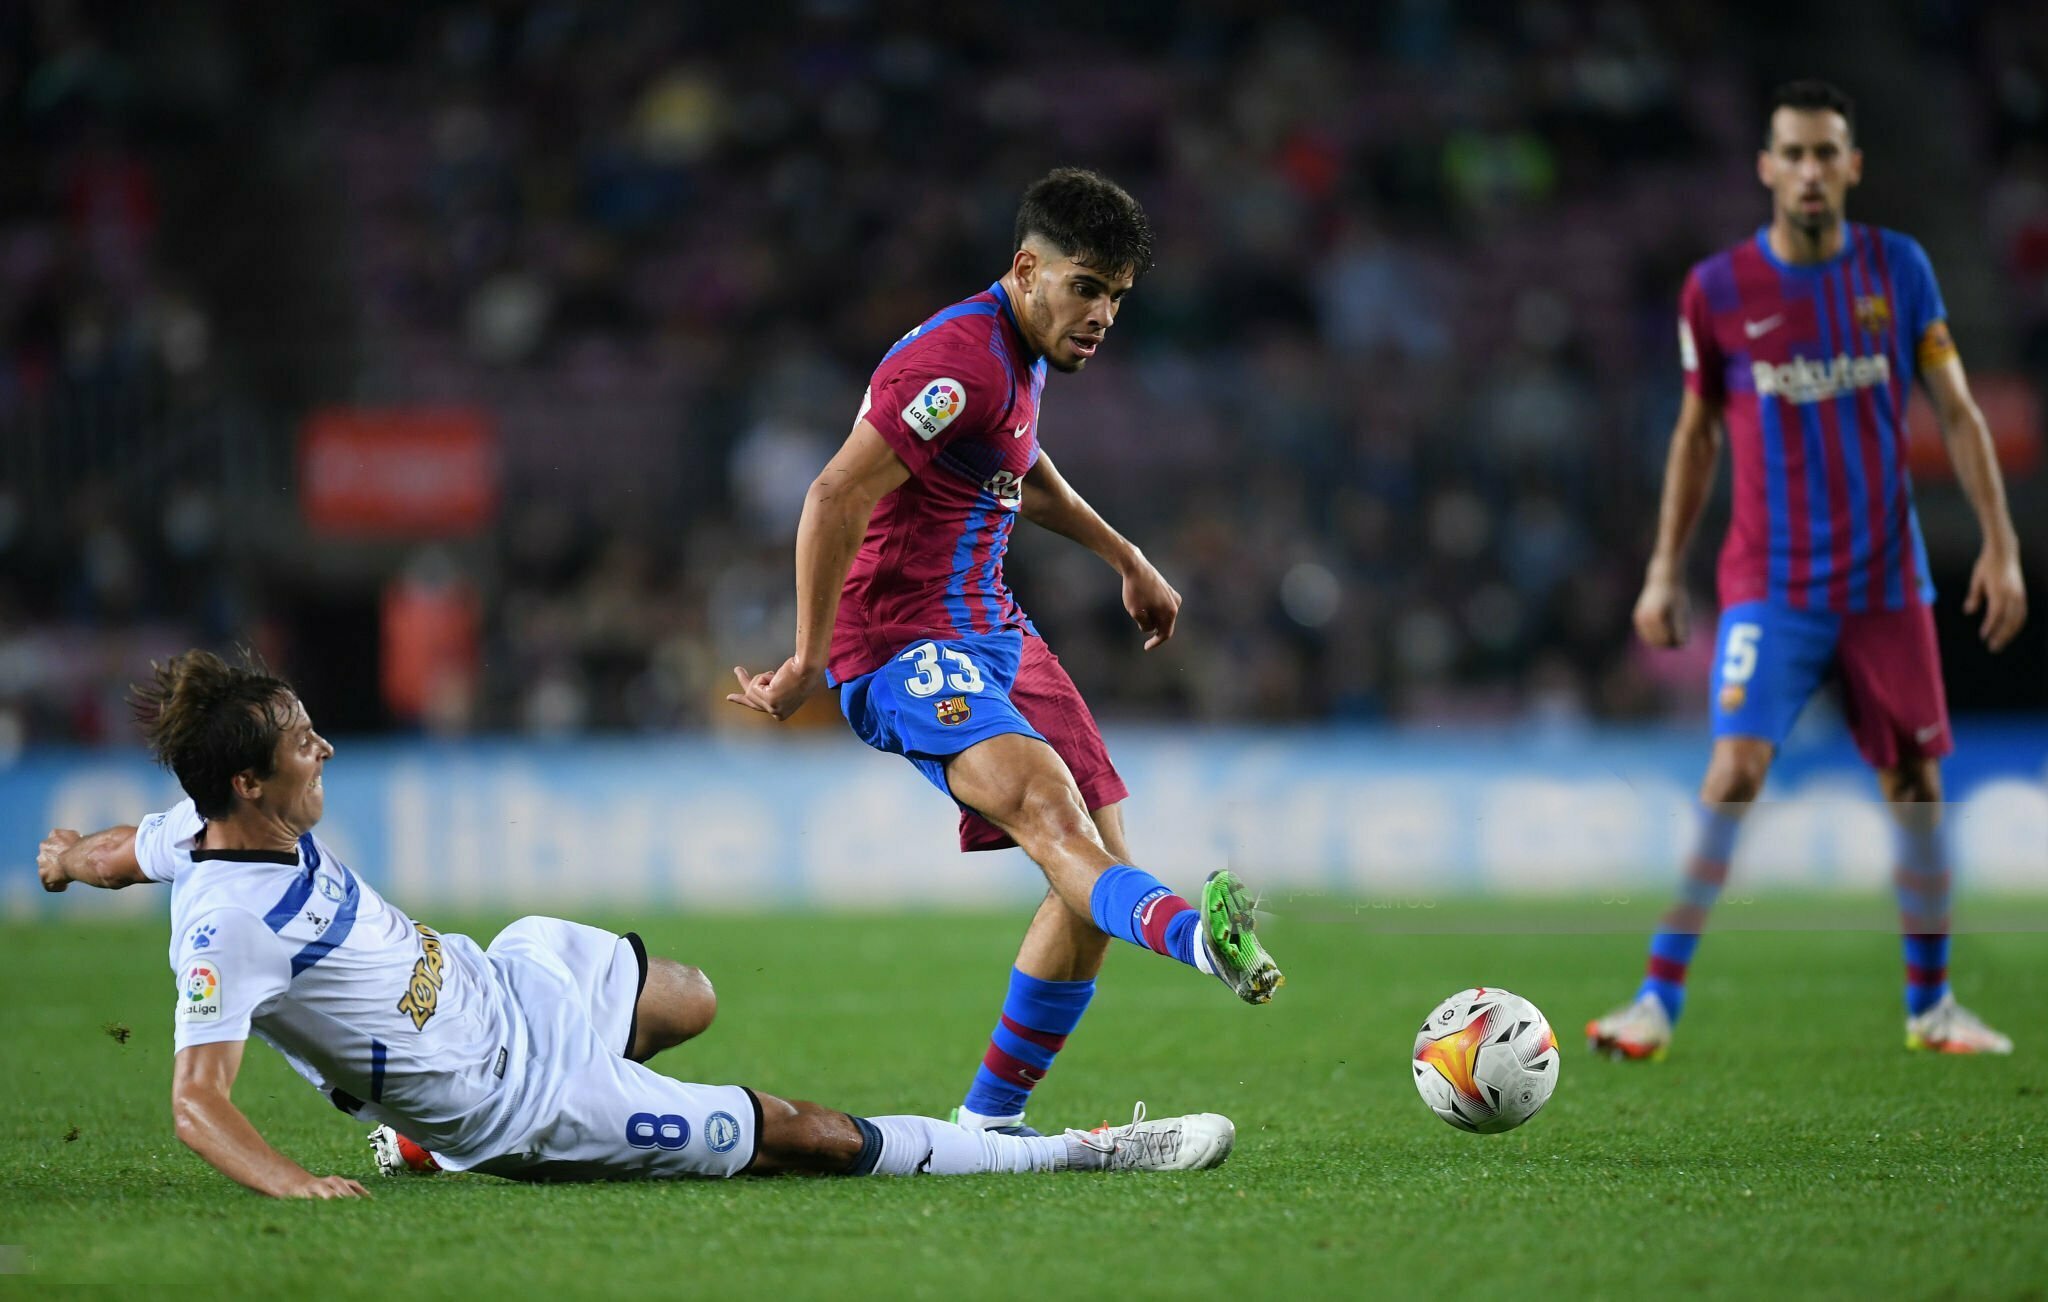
(1662, 611)
(1997, 589)
(779, 694)
(327, 1186)
(49, 855)
(1151, 601)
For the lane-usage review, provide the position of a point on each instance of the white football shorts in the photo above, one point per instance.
(580, 1109)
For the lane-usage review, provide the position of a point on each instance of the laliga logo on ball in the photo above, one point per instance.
(1485, 1060)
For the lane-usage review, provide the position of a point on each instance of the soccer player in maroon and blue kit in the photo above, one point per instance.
(901, 605)
(1804, 341)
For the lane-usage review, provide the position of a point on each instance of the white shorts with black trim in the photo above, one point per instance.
(581, 1110)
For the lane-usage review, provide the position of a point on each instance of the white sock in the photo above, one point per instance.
(928, 1146)
(975, 1121)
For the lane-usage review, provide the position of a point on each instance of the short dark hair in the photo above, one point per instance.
(1811, 95)
(207, 720)
(1088, 217)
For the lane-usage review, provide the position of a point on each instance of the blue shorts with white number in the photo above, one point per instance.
(935, 698)
(1769, 659)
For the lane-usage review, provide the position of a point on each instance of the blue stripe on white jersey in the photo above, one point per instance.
(337, 931)
(293, 899)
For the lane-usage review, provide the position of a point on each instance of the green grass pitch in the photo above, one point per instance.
(1788, 1146)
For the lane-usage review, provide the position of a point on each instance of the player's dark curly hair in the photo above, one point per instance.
(1811, 95)
(1088, 217)
(207, 720)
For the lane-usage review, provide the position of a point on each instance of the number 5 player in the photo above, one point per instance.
(901, 605)
(1804, 340)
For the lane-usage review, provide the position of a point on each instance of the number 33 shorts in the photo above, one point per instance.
(936, 698)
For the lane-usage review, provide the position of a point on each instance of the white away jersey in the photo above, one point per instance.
(392, 1020)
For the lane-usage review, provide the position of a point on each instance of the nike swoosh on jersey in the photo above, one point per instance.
(1021, 431)
(1758, 329)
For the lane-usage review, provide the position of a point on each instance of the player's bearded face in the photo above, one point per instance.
(1810, 167)
(1068, 308)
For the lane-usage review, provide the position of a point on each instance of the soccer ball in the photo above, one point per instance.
(1485, 1060)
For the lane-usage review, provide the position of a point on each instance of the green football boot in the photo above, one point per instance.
(1235, 954)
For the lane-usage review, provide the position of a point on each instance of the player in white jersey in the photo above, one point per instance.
(519, 1059)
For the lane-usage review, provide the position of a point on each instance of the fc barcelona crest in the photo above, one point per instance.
(1873, 313)
(953, 710)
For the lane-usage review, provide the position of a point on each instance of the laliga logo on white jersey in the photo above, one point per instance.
(200, 986)
(1803, 380)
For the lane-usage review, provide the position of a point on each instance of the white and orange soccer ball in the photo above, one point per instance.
(1485, 1060)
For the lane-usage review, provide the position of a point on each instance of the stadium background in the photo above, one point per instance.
(470, 362)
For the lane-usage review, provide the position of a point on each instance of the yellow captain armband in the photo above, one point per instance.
(1936, 347)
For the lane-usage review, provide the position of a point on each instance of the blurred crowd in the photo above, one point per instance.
(1390, 410)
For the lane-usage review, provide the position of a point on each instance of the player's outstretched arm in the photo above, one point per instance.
(209, 1123)
(104, 859)
(836, 512)
(1661, 610)
(1050, 502)
(1996, 586)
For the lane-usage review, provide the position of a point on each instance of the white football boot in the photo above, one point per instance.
(1948, 1027)
(1191, 1143)
(1633, 1032)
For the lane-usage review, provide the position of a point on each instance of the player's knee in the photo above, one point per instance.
(677, 1004)
(1736, 774)
(1049, 809)
(1910, 784)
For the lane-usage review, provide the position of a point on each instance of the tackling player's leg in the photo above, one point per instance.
(797, 1136)
(801, 1137)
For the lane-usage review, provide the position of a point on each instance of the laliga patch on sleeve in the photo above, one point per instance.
(935, 406)
(1688, 351)
(199, 991)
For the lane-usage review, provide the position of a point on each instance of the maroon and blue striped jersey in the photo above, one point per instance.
(957, 400)
(1811, 367)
